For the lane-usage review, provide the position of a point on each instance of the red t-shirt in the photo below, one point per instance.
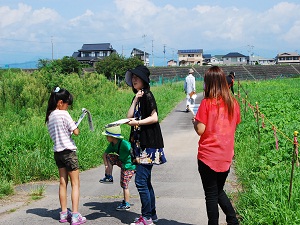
(216, 144)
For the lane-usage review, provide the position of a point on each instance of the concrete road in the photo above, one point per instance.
(177, 184)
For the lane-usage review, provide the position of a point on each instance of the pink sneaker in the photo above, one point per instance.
(142, 221)
(77, 219)
(65, 217)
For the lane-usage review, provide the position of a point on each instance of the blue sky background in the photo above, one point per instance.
(29, 28)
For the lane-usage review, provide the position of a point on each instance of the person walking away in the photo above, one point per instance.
(230, 81)
(189, 89)
(215, 122)
(146, 140)
(61, 127)
(118, 153)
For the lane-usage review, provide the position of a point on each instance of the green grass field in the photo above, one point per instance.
(264, 172)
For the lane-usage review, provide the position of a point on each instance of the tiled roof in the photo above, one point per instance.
(288, 54)
(96, 47)
(207, 56)
(233, 54)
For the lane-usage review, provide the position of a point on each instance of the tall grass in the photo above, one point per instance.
(263, 171)
(25, 146)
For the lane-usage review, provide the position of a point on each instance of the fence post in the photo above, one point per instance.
(257, 122)
(295, 153)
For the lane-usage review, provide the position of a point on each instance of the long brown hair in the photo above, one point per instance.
(216, 87)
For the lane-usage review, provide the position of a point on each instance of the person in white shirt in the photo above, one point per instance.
(189, 89)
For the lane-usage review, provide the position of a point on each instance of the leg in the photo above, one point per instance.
(224, 201)
(126, 194)
(210, 186)
(75, 183)
(108, 168)
(152, 197)
(125, 178)
(143, 173)
(63, 183)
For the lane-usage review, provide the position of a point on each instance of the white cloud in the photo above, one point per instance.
(86, 17)
(12, 16)
(205, 26)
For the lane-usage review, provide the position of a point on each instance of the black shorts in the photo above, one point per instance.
(66, 159)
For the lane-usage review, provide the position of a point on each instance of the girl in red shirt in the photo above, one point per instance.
(215, 122)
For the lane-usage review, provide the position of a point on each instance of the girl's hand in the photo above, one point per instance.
(133, 122)
(139, 94)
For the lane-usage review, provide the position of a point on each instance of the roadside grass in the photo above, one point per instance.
(37, 192)
(6, 188)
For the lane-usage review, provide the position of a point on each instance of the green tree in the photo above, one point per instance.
(43, 63)
(66, 65)
(116, 64)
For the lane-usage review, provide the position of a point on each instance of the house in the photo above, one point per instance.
(235, 58)
(292, 57)
(216, 60)
(142, 55)
(190, 57)
(206, 59)
(92, 53)
(254, 60)
(172, 62)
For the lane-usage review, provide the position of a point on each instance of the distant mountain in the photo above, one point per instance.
(24, 65)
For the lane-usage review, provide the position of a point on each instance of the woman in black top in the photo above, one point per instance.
(146, 139)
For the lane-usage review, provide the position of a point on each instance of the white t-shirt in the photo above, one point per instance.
(189, 84)
(60, 127)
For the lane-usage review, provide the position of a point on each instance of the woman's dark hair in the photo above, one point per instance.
(56, 95)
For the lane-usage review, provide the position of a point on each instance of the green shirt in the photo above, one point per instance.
(124, 153)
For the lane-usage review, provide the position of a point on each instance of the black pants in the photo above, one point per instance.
(213, 184)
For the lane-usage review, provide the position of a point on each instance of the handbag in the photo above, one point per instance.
(192, 93)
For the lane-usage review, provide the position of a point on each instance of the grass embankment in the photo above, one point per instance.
(26, 149)
(264, 171)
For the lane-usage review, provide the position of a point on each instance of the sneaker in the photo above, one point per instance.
(65, 217)
(77, 219)
(123, 206)
(142, 221)
(187, 108)
(154, 219)
(107, 180)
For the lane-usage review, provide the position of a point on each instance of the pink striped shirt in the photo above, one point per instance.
(60, 127)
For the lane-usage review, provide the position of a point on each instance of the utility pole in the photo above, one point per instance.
(52, 46)
(152, 55)
(144, 36)
(250, 52)
(164, 54)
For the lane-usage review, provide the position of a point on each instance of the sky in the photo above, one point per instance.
(46, 29)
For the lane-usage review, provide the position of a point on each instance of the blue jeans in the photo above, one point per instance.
(213, 184)
(145, 189)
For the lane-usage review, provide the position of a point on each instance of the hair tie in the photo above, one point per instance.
(56, 89)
